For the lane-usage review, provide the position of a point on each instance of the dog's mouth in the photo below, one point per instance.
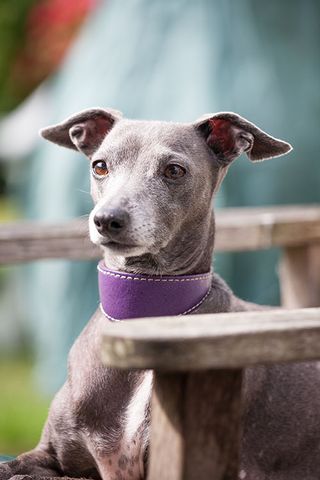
(117, 245)
(120, 247)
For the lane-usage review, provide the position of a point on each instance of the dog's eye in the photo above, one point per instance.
(174, 171)
(99, 168)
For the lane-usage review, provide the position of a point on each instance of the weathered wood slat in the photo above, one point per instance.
(28, 241)
(202, 342)
(195, 428)
(238, 229)
(262, 228)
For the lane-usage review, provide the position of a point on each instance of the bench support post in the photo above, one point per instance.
(195, 428)
(300, 276)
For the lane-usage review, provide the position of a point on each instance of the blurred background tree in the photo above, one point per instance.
(34, 38)
(13, 16)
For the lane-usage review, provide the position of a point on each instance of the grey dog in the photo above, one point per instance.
(153, 184)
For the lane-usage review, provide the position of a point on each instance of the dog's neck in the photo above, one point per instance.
(189, 253)
(130, 295)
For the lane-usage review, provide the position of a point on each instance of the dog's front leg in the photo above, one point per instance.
(35, 464)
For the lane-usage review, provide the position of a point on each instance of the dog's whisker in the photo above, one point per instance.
(82, 191)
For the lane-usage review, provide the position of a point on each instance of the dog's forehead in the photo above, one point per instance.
(137, 135)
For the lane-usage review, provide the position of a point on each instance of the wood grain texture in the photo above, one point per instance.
(28, 241)
(238, 229)
(195, 429)
(225, 340)
(300, 276)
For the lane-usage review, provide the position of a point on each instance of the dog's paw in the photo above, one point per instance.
(5, 472)
(36, 477)
(22, 477)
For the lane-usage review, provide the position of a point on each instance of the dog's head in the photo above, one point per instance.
(152, 182)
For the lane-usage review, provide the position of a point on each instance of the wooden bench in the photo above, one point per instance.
(198, 360)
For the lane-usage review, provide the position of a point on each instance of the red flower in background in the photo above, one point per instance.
(50, 27)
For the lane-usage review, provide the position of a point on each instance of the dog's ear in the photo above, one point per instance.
(229, 135)
(83, 131)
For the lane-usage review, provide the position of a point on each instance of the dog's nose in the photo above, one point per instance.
(111, 221)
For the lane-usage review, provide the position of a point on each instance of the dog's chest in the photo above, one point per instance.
(127, 461)
(110, 409)
(137, 412)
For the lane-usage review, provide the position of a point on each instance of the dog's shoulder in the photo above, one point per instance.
(221, 299)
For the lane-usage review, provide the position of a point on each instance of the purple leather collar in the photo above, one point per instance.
(126, 295)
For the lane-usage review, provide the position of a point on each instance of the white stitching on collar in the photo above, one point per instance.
(125, 277)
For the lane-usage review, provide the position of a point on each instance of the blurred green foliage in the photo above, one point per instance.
(34, 37)
(13, 14)
(22, 409)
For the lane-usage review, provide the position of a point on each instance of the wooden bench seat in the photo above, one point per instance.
(224, 340)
